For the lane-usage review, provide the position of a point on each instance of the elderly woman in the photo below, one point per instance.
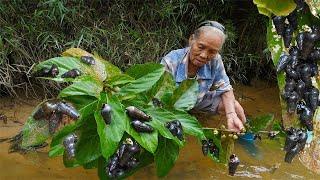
(202, 61)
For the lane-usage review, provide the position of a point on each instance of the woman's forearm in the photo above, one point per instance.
(228, 100)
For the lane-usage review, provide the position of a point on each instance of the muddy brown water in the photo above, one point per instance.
(262, 159)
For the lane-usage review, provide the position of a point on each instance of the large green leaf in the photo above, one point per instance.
(159, 121)
(277, 7)
(35, 132)
(64, 64)
(142, 84)
(163, 86)
(166, 156)
(120, 79)
(85, 113)
(85, 86)
(185, 96)
(149, 141)
(88, 146)
(139, 70)
(145, 158)
(102, 68)
(111, 69)
(110, 135)
(190, 124)
(80, 101)
(217, 141)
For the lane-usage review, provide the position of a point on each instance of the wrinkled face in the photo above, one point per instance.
(204, 48)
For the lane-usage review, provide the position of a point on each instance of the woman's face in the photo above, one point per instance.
(204, 48)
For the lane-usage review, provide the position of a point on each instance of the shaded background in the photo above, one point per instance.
(125, 33)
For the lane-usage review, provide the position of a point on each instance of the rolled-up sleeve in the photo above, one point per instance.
(221, 79)
(166, 65)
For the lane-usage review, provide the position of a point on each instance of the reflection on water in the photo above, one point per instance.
(262, 159)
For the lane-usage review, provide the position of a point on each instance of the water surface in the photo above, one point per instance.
(262, 159)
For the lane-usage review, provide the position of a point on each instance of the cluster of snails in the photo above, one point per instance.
(124, 159)
(138, 119)
(73, 73)
(175, 128)
(53, 111)
(295, 141)
(300, 66)
(209, 146)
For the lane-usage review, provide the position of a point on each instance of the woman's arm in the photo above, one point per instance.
(232, 111)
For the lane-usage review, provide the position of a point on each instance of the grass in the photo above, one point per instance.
(124, 32)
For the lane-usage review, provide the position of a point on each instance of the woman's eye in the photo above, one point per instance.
(200, 47)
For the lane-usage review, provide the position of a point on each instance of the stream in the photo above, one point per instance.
(261, 159)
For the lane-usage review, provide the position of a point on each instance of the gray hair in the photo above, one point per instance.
(213, 30)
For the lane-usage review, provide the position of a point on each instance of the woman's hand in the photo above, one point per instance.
(234, 123)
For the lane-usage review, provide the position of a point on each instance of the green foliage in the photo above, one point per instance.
(99, 141)
(260, 123)
(165, 157)
(125, 32)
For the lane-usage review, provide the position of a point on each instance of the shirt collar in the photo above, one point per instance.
(182, 69)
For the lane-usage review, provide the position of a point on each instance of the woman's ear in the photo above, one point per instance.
(191, 39)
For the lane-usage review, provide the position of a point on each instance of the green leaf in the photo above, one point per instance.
(80, 101)
(119, 79)
(190, 124)
(159, 121)
(145, 159)
(217, 141)
(102, 68)
(69, 162)
(277, 7)
(88, 147)
(261, 122)
(185, 96)
(91, 165)
(139, 70)
(35, 132)
(166, 156)
(85, 113)
(149, 141)
(64, 64)
(142, 84)
(86, 86)
(110, 135)
(56, 151)
(111, 69)
(164, 85)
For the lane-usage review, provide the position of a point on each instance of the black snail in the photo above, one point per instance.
(69, 144)
(138, 119)
(141, 127)
(175, 128)
(88, 60)
(46, 72)
(136, 113)
(233, 164)
(106, 113)
(295, 142)
(73, 73)
(53, 111)
(124, 159)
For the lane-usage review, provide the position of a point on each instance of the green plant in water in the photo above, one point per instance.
(103, 83)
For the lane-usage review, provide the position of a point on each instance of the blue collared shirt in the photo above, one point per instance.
(212, 77)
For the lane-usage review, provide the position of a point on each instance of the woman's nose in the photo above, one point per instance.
(203, 55)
